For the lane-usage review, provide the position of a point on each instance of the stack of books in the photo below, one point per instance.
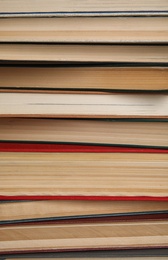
(83, 128)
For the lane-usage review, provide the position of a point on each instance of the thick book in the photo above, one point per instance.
(50, 210)
(115, 176)
(84, 236)
(84, 105)
(47, 132)
(75, 7)
(85, 30)
(106, 78)
(71, 53)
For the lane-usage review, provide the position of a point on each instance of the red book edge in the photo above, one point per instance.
(112, 198)
(73, 148)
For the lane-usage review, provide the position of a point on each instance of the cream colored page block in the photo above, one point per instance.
(85, 30)
(80, 24)
(84, 53)
(84, 131)
(85, 78)
(111, 235)
(69, 105)
(102, 174)
(44, 209)
(78, 6)
(83, 243)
